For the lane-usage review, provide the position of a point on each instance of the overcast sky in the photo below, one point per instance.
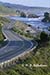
(41, 3)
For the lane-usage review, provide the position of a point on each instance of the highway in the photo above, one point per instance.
(16, 44)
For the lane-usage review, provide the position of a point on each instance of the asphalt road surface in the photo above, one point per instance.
(16, 44)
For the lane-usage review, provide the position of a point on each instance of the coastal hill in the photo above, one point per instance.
(8, 8)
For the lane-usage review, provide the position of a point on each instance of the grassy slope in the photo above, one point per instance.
(20, 29)
(6, 10)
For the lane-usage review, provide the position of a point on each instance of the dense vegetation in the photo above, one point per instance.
(1, 36)
(43, 36)
(2, 21)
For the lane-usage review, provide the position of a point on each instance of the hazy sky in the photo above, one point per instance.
(41, 3)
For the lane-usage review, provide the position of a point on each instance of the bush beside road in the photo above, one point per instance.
(2, 21)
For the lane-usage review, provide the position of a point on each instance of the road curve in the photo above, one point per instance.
(16, 45)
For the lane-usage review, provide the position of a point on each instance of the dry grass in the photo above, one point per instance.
(21, 25)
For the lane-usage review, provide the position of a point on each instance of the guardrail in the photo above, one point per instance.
(7, 62)
(12, 61)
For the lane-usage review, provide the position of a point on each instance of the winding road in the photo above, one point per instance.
(16, 44)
